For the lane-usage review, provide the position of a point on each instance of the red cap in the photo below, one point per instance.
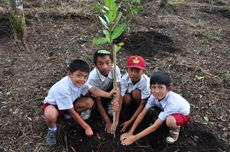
(136, 62)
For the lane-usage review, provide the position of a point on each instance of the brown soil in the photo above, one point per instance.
(188, 40)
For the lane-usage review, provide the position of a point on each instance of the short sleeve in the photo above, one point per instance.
(89, 85)
(168, 110)
(92, 79)
(145, 89)
(118, 74)
(145, 92)
(150, 102)
(162, 116)
(124, 87)
(84, 90)
(64, 100)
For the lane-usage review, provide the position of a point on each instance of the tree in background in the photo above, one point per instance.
(17, 20)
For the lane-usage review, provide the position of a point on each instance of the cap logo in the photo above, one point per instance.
(136, 60)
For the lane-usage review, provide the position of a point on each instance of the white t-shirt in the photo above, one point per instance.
(143, 85)
(96, 79)
(64, 93)
(172, 103)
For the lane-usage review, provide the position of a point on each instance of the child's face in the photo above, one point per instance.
(159, 91)
(78, 78)
(135, 74)
(104, 64)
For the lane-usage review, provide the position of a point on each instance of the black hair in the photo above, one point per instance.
(80, 65)
(100, 53)
(161, 77)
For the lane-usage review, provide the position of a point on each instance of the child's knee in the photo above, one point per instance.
(51, 113)
(127, 99)
(89, 103)
(136, 94)
(171, 122)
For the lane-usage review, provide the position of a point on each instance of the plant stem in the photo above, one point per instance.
(114, 86)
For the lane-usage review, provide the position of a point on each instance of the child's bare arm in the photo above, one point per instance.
(134, 126)
(138, 120)
(134, 116)
(139, 109)
(120, 101)
(100, 93)
(132, 138)
(80, 121)
(150, 129)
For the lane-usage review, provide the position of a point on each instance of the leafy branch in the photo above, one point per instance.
(114, 23)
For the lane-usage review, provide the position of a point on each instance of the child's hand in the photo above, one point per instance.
(108, 127)
(124, 136)
(117, 90)
(111, 93)
(88, 131)
(115, 105)
(125, 125)
(114, 92)
(129, 140)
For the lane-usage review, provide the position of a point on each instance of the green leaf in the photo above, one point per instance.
(112, 12)
(103, 22)
(106, 8)
(106, 18)
(107, 35)
(129, 9)
(199, 78)
(118, 46)
(118, 30)
(108, 3)
(100, 40)
(104, 12)
(118, 17)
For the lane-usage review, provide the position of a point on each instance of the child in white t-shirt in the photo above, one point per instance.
(175, 110)
(101, 79)
(67, 96)
(135, 89)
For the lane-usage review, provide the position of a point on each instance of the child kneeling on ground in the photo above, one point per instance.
(101, 80)
(67, 98)
(175, 110)
(135, 90)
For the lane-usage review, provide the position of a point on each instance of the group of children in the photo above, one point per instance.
(75, 95)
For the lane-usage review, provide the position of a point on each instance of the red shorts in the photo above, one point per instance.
(61, 113)
(181, 120)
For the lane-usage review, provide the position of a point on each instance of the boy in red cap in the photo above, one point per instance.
(135, 89)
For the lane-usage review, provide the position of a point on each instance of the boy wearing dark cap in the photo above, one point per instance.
(134, 90)
(175, 110)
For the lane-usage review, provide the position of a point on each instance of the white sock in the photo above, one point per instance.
(53, 129)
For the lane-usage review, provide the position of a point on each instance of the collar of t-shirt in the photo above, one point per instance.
(102, 77)
(73, 86)
(163, 102)
(130, 81)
